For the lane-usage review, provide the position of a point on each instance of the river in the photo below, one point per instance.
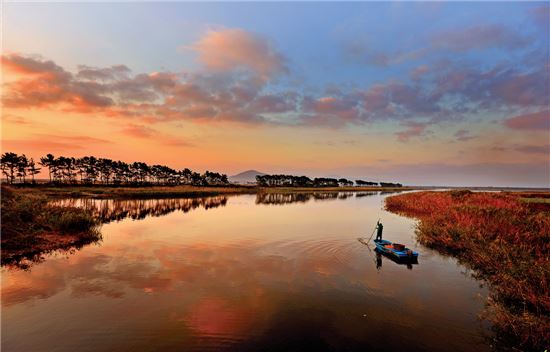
(274, 272)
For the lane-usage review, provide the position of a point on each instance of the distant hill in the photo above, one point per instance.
(248, 176)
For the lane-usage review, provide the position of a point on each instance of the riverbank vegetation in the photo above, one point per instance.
(505, 240)
(31, 227)
(182, 191)
(129, 192)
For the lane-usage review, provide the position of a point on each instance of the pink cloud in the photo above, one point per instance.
(414, 129)
(419, 72)
(44, 84)
(107, 73)
(275, 103)
(230, 49)
(330, 111)
(233, 97)
(536, 121)
(463, 135)
(29, 65)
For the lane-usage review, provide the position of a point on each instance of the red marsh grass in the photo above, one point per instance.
(505, 240)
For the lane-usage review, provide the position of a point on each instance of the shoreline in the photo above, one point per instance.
(503, 238)
(150, 192)
(32, 227)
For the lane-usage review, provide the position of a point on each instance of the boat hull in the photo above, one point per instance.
(387, 247)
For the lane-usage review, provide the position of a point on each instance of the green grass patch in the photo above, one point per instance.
(536, 200)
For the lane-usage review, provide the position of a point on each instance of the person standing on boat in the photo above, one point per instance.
(379, 229)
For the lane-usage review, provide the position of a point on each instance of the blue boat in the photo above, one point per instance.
(395, 250)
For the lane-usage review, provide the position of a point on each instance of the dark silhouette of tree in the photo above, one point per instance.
(365, 183)
(32, 169)
(325, 182)
(283, 180)
(345, 182)
(300, 181)
(91, 170)
(48, 161)
(22, 165)
(389, 184)
(9, 162)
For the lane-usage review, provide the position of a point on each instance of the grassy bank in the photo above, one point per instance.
(32, 227)
(505, 239)
(182, 191)
(124, 192)
(331, 189)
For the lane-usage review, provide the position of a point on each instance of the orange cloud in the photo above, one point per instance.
(47, 143)
(45, 84)
(229, 49)
(144, 132)
(138, 131)
(29, 65)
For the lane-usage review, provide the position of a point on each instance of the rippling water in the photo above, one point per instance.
(243, 273)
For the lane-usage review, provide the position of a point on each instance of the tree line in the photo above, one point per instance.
(304, 181)
(92, 170)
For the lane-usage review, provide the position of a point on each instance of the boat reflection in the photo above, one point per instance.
(408, 262)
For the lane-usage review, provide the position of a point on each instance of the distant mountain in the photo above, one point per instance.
(248, 176)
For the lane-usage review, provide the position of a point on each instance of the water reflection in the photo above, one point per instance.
(304, 197)
(242, 277)
(108, 210)
(407, 262)
(365, 194)
(25, 258)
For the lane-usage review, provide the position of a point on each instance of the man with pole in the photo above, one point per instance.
(379, 229)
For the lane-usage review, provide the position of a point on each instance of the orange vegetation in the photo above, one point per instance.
(505, 240)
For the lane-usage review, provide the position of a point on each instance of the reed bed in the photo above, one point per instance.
(506, 241)
(31, 227)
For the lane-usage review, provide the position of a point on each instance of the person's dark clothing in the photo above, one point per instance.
(380, 228)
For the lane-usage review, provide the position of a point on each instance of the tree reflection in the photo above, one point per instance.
(25, 258)
(304, 197)
(108, 210)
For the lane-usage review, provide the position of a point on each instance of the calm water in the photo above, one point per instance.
(242, 273)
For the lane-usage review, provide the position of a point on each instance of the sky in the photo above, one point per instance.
(422, 93)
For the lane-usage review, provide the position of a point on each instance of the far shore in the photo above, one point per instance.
(99, 191)
(153, 191)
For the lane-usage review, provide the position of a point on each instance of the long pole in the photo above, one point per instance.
(372, 234)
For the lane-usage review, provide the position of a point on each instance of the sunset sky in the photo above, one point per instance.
(419, 93)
